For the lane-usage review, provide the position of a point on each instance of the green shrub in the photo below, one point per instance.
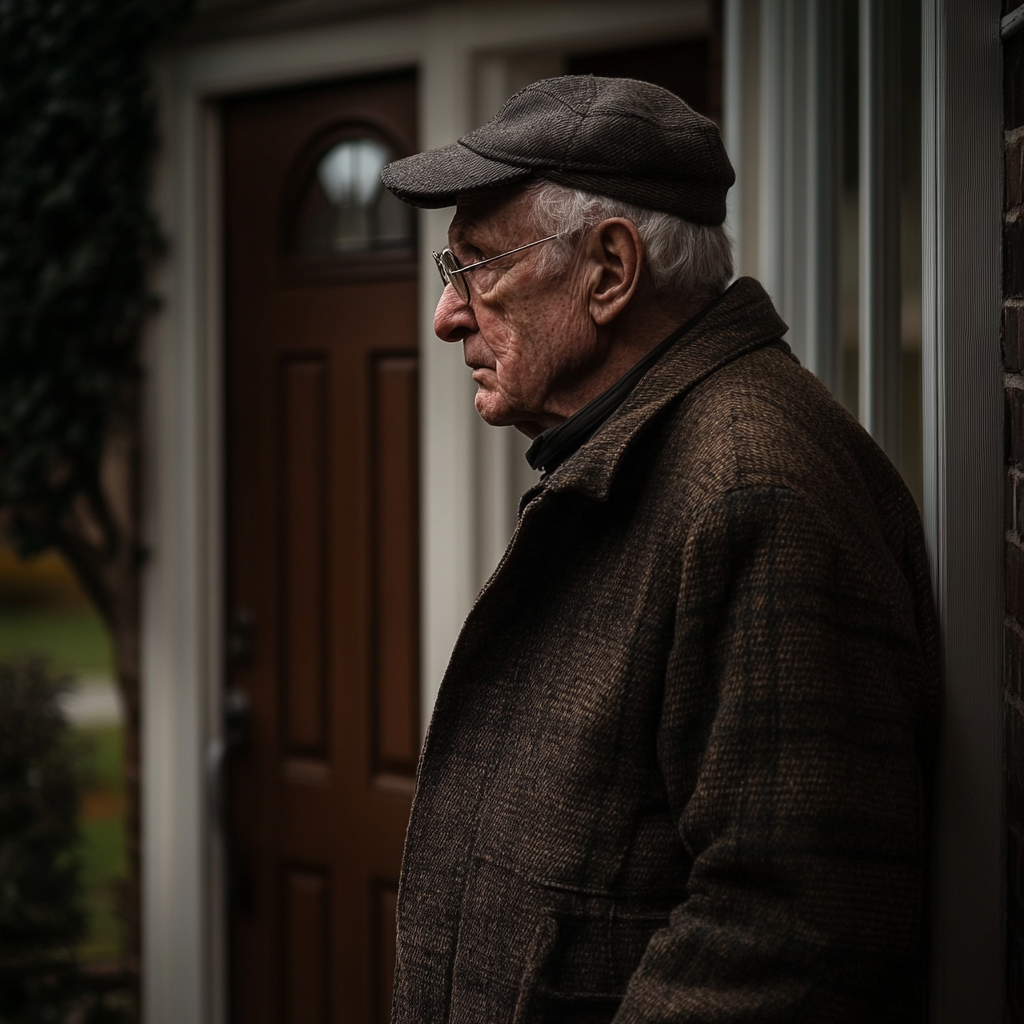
(77, 240)
(42, 920)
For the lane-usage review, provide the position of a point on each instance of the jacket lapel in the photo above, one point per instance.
(743, 320)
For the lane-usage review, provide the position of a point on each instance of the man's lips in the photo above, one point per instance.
(479, 359)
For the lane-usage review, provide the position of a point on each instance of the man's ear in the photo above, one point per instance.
(616, 254)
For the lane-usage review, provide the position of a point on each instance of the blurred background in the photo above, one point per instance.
(44, 613)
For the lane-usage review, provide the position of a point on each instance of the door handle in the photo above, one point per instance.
(236, 735)
(241, 627)
(236, 713)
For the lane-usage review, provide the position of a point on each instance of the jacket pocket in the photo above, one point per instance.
(528, 953)
(540, 1002)
(580, 960)
(542, 946)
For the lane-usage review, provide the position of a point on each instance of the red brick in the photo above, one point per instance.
(1013, 666)
(1013, 81)
(1015, 425)
(1014, 753)
(1013, 259)
(1014, 173)
(1013, 503)
(1014, 977)
(1012, 338)
(1015, 871)
(1014, 583)
(1018, 502)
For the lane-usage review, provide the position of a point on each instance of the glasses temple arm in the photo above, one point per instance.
(500, 256)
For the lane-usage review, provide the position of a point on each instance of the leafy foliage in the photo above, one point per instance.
(41, 908)
(41, 917)
(77, 130)
(76, 134)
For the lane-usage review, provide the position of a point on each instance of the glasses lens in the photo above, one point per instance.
(448, 263)
(440, 267)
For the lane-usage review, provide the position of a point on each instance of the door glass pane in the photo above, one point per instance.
(345, 210)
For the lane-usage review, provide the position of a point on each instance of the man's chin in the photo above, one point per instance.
(491, 409)
(494, 411)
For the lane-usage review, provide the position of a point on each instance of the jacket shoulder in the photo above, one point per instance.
(763, 421)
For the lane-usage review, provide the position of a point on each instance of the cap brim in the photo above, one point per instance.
(439, 176)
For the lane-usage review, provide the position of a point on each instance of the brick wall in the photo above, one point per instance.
(1013, 364)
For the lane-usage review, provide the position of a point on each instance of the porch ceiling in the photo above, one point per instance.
(229, 19)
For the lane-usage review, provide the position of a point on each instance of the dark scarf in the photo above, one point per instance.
(556, 444)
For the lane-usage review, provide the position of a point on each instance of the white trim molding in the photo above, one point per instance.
(782, 144)
(181, 632)
(184, 966)
(961, 164)
(879, 248)
(781, 124)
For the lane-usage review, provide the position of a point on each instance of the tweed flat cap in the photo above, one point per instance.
(618, 137)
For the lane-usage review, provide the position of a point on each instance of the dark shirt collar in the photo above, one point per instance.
(556, 444)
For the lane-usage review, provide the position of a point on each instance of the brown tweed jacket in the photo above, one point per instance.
(677, 767)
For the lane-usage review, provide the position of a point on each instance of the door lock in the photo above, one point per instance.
(237, 720)
(241, 626)
(235, 737)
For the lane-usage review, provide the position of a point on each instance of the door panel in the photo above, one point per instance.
(303, 629)
(322, 542)
(395, 632)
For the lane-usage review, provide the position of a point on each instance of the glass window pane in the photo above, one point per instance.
(345, 210)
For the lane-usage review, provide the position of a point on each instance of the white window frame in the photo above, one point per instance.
(454, 46)
(962, 398)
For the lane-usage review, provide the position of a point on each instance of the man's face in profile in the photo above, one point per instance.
(526, 327)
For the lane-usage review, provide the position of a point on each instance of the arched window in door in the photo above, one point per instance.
(339, 220)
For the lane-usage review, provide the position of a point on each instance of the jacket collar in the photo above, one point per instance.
(556, 444)
(742, 320)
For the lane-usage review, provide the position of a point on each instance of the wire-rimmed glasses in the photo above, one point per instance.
(451, 270)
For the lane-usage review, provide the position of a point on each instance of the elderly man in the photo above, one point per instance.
(677, 767)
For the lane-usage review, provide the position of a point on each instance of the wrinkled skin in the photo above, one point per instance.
(540, 343)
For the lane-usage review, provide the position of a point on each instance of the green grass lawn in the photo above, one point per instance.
(104, 756)
(103, 846)
(73, 639)
(103, 864)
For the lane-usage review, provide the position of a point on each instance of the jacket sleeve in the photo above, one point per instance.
(795, 703)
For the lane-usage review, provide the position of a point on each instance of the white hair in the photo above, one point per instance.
(681, 258)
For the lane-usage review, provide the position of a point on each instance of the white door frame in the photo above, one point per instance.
(962, 392)
(183, 923)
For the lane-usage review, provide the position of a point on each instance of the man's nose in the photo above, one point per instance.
(453, 318)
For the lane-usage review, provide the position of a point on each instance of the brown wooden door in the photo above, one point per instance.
(322, 499)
